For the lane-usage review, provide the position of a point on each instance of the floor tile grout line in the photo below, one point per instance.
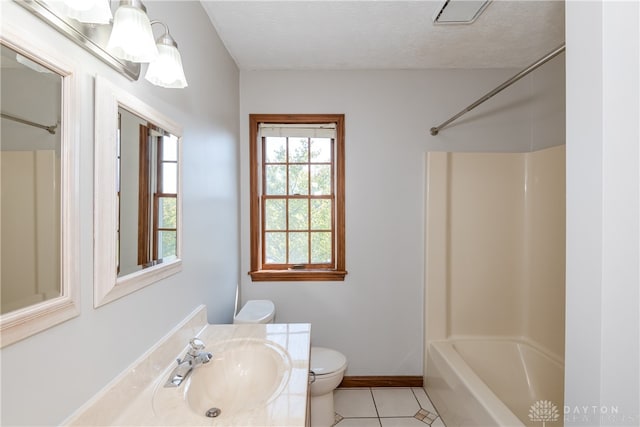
(416, 397)
(399, 416)
(375, 406)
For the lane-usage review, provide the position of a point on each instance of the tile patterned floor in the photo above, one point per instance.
(384, 407)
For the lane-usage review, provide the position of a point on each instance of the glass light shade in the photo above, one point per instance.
(166, 70)
(131, 37)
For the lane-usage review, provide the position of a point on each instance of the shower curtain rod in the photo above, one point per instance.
(434, 130)
(51, 129)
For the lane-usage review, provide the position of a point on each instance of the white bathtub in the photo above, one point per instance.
(492, 382)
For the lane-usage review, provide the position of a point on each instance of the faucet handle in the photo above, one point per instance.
(195, 345)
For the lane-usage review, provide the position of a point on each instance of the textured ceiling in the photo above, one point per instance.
(369, 34)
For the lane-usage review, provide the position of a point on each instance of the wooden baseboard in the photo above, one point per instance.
(381, 381)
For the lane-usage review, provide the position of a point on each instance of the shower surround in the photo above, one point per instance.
(495, 265)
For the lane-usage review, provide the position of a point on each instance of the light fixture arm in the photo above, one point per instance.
(166, 38)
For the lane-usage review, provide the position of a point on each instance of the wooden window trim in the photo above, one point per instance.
(144, 210)
(257, 273)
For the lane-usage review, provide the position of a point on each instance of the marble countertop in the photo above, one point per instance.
(137, 397)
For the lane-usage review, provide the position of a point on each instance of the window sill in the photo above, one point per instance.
(297, 275)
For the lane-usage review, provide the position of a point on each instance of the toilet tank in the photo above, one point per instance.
(256, 311)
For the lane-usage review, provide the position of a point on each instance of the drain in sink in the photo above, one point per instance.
(213, 412)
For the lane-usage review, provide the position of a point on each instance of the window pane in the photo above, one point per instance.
(299, 179)
(274, 214)
(320, 248)
(298, 150)
(320, 150)
(275, 150)
(167, 212)
(321, 214)
(298, 214)
(170, 178)
(276, 177)
(166, 244)
(298, 248)
(170, 148)
(275, 248)
(321, 180)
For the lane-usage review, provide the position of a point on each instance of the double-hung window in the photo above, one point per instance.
(297, 197)
(165, 231)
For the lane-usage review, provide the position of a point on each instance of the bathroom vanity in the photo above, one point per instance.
(257, 376)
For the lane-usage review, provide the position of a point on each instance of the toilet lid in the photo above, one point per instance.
(256, 311)
(326, 360)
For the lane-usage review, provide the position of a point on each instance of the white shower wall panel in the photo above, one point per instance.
(485, 250)
(498, 267)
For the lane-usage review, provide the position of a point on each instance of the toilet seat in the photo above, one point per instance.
(325, 361)
(256, 311)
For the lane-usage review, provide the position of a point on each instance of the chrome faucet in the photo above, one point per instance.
(194, 358)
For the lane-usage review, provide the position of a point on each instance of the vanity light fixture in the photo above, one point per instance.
(131, 37)
(166, 70)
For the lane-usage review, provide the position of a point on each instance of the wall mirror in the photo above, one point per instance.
(38, 199)
(137, 194)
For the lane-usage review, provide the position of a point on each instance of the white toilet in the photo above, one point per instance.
(327, 370)
(256, 311)
(327, 366)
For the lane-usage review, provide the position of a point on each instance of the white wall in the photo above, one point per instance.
(603, 191)
(376, 316)
(48, 376)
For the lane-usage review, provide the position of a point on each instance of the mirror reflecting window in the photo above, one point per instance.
(137, 205)
(30, 149)
(147, 191)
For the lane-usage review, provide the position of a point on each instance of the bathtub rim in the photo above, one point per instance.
(494, 407)
(517, 339)
(490, 402)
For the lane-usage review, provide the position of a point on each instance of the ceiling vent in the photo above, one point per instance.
(459, 11)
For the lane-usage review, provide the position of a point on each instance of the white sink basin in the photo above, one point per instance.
(244, 374)
(258, 378)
